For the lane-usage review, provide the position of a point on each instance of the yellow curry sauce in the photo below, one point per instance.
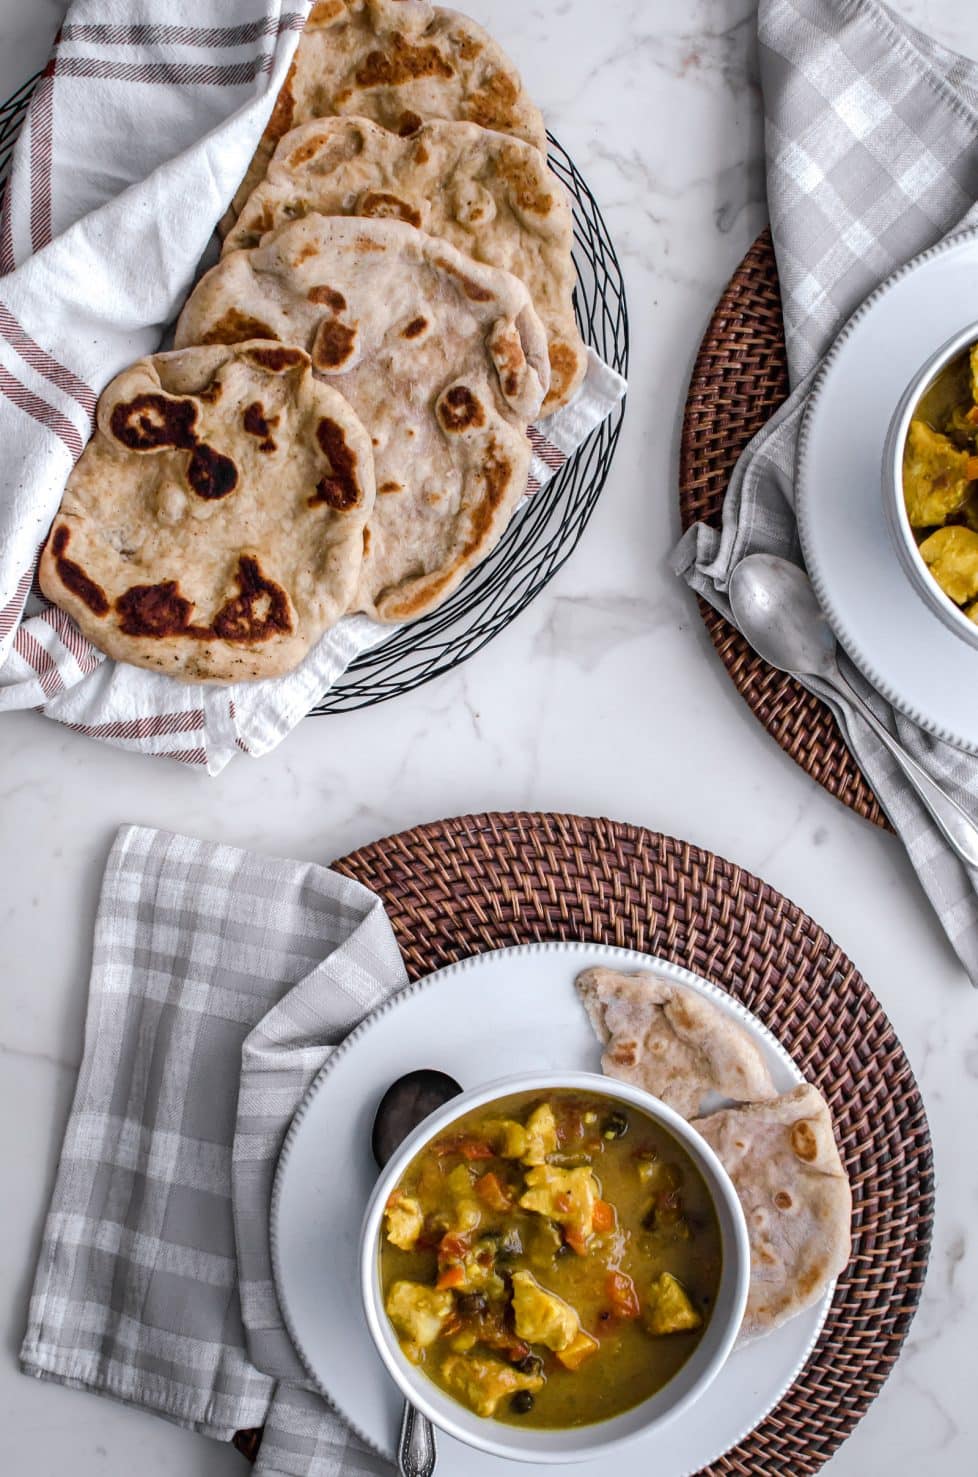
(551, 1261)
(940, 480)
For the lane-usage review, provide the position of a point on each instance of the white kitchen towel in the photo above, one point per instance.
(136, 139)
(872, 156)
(221, 982)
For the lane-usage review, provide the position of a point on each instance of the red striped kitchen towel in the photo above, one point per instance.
(137, 136)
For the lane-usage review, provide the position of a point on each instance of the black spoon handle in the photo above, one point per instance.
(417, 1451)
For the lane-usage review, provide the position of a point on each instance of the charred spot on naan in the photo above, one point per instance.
(74, 578)
(467, 47)
(235, 327)
(340, 488)
(265, 222)
(278, 360)
(257, 227)
(328, 296)
(473, 290)
(527, 187)
(151, 422)
(472, 205)
(410, 123)
(381, 205)
(283, 113)
(565, 367)
(259, 425)
(329, 148)
(258, 612)
(324, 13)
(415, 328)
(387, 489)
(334, 346)
(625, 1054)
(459, 410)
(804, 1142)
(211, 474)
(157, 611)
(306, 151)
(306, 251)
(506, 351)
(495, 104)
(401, 63)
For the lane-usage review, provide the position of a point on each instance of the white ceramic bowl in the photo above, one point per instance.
(894, 506)
(581, 1442)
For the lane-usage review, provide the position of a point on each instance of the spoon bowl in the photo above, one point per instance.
(405, 1104)
(775, 607)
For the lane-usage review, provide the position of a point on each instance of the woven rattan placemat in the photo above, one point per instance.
(461, 887)
(739, 379)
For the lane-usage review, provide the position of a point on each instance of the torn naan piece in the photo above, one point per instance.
(487, 193)
(786, 1169)
(444, 361)
(672, 1041)
(213, 527)
(399, 63)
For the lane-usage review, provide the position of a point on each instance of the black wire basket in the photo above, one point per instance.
(543, 534)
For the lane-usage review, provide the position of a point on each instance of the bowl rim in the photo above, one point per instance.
(450, 1415)
(894, 505)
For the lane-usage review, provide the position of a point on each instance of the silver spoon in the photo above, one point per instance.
(776, 609)
(405, 1104)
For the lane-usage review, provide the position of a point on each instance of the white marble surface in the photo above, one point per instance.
(600, 699)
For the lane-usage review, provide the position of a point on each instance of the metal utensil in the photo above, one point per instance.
(776, 609)
(405, 1104)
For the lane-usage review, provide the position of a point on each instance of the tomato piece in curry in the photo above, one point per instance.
(551, 1261)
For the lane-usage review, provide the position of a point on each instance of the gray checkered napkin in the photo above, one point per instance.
(872, 156)
(220, 983)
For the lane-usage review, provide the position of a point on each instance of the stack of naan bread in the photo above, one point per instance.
(342, 423)
(778, 1149)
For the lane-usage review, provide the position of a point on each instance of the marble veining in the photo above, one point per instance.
(605, 697)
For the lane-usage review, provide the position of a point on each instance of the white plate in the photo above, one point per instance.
(515, 1010)
(893, 637)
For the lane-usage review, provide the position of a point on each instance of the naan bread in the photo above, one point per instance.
(214, 525)
(490, 195)
(443, 360)
(786, 1169)
(671, 1041)
(399, 63)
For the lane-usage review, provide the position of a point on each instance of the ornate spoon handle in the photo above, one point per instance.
(417, 1451)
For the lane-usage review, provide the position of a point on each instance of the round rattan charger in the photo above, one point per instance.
(739, 380)
(461, 887)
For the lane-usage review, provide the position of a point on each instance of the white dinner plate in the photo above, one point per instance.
(898, 643)
(515, 1010)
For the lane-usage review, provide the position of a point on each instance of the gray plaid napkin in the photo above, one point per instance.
(872, 156)
(220, 983)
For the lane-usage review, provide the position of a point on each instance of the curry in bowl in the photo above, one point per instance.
(940, 480)
(550, 1260)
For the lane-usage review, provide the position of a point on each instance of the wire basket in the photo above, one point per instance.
(543, 534)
